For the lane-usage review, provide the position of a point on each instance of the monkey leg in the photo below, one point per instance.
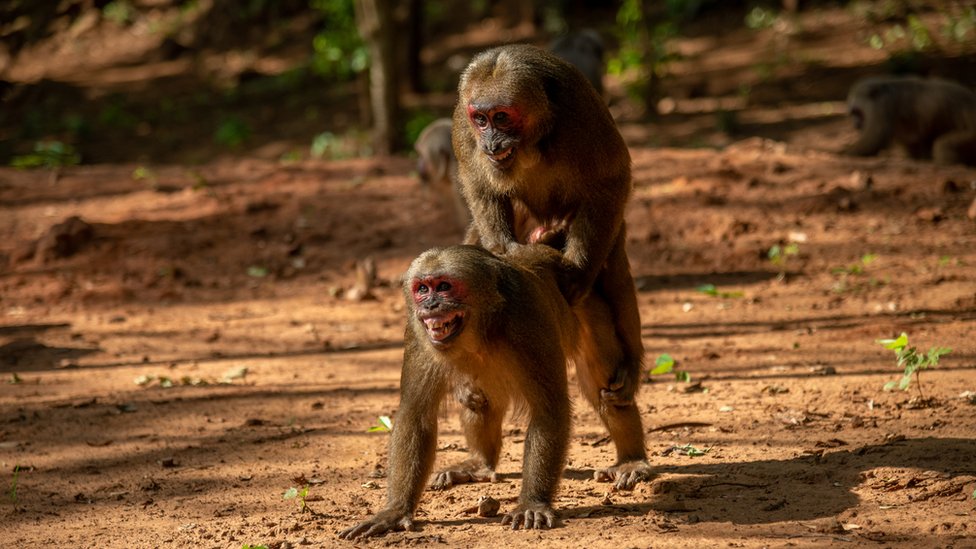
(546, 444)
(481, 420)
(601, 357)
(615, 287)
(955, 148)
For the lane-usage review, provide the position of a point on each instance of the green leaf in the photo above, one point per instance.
(663, 365)
(682, 376)
(895, 344)
(257, 271)
(890, 385)
(386, 424)
(290, 493)
(708, 289)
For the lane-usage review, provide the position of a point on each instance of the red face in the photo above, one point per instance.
(439, 302)
(499, 131)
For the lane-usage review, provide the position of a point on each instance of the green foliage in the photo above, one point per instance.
(645, 46)
(339, 52)
(385, 425)
(958, 28)
(300, 494)
(14, 379)
(778, 255)
(232, 132)
(760, 18)
(712, 290)
(13, 485)
(48, 154)
(911, 360)
(119, 12)
(665, 365)
(249, 546)
(849, 276)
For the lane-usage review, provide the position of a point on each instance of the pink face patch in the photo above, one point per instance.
(446, 288)
(505, 118)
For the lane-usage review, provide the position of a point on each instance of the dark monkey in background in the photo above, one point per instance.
(540, 159)
(931, 118)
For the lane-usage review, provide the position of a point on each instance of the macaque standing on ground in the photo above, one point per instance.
(497, 332)
(539, 156)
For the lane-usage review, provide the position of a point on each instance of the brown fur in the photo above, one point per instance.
(510, 346)
(539, 155)
(931, 119)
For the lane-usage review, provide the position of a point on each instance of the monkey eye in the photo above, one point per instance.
(444, 287)
(500, 118)
(480, 119)
(422, 289)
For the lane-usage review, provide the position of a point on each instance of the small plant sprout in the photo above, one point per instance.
(384, 424)
(778, 255)
(13, 484)
(293, 493)
(912, 361)
(665, 365)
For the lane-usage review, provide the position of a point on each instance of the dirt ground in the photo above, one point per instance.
(187, 352)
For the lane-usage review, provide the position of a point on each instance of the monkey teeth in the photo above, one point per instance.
(504, 155)
(442, 328)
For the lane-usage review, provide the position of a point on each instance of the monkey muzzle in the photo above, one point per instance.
(442, 328)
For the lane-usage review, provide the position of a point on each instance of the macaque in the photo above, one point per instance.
(584, 50)
(496, 332)
(932, 119)
(540, 160)
(437, 168)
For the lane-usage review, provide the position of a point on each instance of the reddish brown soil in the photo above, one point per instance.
(195, 274)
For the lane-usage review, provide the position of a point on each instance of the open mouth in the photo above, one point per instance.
(504, 157)
(443, 328)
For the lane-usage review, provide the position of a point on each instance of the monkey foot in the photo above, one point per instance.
(462, 474)
(625, 475)
(384, 521)
(529, 516)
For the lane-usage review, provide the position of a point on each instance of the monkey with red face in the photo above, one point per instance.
(539, 155)
(498, 330)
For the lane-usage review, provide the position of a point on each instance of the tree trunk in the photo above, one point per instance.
(375, 21)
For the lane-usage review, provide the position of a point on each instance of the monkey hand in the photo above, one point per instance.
(385, 521)
(625, 475)
(528, 516)
(620, 392)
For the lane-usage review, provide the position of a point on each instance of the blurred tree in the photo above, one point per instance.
(374, 18)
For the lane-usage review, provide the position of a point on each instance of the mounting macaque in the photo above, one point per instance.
(496, 332)
(584, 50)
(932, 119)
(540, 159)
(437, 168)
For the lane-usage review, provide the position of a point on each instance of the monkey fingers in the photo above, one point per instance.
(625, 476)
(531, 516)
(462, 473)
(384, 521)
(621, 392)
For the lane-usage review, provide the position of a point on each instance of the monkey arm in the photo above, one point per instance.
(413, 444)
(494, 220)
(587, 247)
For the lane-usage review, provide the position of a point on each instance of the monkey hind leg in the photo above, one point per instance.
(599, 363)
(481, 420)
(955, 148)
